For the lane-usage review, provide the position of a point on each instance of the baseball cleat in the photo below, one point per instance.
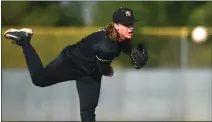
(19, 36)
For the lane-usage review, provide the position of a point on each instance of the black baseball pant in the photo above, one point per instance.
(63, 69)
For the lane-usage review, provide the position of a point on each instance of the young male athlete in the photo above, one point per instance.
(86, 61)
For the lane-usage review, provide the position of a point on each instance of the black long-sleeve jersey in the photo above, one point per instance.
(91, 55)
(94, 48)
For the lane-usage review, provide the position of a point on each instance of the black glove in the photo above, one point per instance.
(139, 56)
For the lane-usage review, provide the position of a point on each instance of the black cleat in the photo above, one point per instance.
(19, 36)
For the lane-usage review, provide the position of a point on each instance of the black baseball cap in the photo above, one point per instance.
(123, 16)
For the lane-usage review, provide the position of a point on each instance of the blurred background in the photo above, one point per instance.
(174, 85)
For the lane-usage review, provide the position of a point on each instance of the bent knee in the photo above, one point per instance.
(39, 84)
(39, 81)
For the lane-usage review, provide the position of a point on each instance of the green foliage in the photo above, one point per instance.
(201, 15)
(149, 13)
(43, 16)
(14, 12)
(69, 15)
(34, 13)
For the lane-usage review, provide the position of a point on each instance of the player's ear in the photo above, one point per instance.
(116, 26)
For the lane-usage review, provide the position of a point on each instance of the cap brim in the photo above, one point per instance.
(129, 22)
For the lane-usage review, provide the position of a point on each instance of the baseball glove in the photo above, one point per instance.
(139, 56)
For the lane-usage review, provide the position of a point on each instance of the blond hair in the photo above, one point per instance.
(112, 32)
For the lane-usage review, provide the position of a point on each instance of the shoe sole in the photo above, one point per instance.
(27, 30)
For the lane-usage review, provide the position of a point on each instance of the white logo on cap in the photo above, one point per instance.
(128, 13)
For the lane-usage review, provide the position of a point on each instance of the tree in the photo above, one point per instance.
(201, 15)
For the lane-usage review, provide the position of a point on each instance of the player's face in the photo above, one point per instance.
(125, 31)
